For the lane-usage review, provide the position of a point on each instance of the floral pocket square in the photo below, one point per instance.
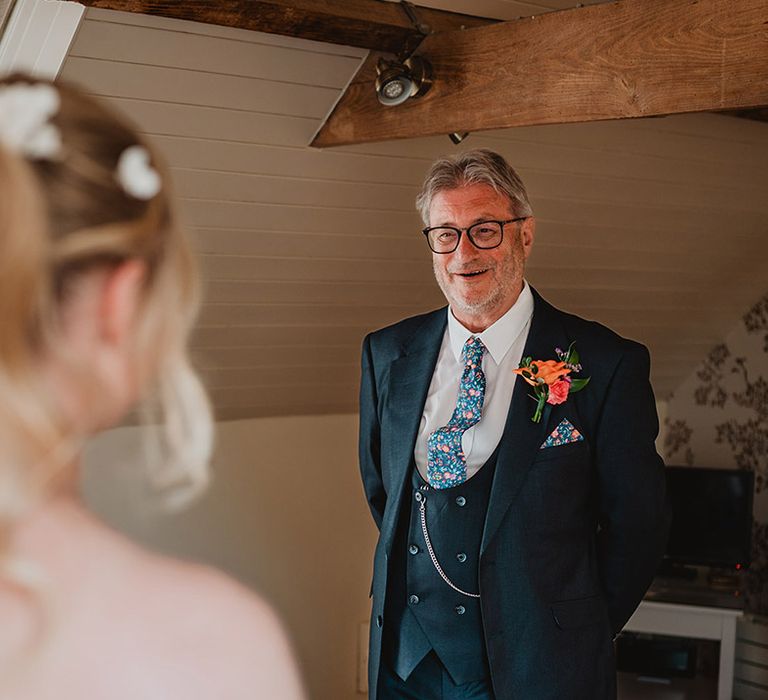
(564, 433)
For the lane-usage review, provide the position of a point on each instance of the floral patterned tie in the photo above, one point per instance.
(446, 462)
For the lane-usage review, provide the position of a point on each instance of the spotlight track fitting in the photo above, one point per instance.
(408, 75)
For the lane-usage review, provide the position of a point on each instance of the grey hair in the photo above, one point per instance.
(480, 166)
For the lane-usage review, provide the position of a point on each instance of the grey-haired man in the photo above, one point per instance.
(520, 521)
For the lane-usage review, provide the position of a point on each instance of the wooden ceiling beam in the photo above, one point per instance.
(632, 58)
(368, 24)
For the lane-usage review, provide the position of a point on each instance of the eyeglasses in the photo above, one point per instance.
(483, 234)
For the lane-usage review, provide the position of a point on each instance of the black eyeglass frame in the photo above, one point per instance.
(459, 231)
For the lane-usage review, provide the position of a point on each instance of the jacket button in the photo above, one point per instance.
(460, 610)
(379, 621)
(413, 599)
(461, 501)
(461, 557)
(413, 549)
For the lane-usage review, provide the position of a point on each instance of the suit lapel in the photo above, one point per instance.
(409, 380)
(522, 438)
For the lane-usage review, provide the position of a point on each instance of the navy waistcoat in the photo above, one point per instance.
(423, 612)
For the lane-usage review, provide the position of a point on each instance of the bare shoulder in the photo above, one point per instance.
(165, 628)
(228, 641)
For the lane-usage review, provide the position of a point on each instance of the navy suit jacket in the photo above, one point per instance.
(573, 533)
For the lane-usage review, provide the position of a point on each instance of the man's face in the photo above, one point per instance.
(480, 285)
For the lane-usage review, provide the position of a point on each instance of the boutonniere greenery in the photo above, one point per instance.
(551, 379)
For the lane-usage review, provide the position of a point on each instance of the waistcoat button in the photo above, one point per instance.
(413, 549)
(461, 557)
(413, 600)
(461, 501)
(460, 610)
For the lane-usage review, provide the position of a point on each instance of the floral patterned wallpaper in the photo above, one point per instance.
(718, 417)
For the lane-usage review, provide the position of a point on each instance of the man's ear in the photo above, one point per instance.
(527, 234)
(120, 299)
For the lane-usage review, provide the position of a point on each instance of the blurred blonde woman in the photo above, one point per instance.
(98, 292)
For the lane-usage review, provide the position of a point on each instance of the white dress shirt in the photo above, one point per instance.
(504, 342)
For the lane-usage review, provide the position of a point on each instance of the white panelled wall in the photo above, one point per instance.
(655, 227)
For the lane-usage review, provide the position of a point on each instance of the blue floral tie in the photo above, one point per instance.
(446, 462)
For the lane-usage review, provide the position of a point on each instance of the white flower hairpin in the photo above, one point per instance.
(25, 129)
(135, 175)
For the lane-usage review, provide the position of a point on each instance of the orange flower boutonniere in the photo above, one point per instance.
(551, 379)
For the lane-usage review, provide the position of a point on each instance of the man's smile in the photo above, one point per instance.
(469, 274)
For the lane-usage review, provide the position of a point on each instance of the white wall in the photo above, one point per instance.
(662, 408)
(285, 514)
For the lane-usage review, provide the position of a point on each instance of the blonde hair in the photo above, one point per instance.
(60, 217)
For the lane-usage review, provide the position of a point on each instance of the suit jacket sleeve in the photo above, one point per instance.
(369, 439)
(633, 514)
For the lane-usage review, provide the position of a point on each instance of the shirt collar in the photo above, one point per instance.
(498, 337)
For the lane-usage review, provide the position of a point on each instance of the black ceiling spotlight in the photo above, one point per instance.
(406, 76)
(397, 81)
(458, 136)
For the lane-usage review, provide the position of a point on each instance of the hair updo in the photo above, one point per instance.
(59, 217)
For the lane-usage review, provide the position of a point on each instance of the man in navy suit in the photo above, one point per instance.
(520, 522)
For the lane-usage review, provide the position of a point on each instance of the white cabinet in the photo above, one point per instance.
(695, 621)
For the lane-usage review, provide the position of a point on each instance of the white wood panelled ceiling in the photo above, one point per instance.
(655, 227)
(5, 10)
